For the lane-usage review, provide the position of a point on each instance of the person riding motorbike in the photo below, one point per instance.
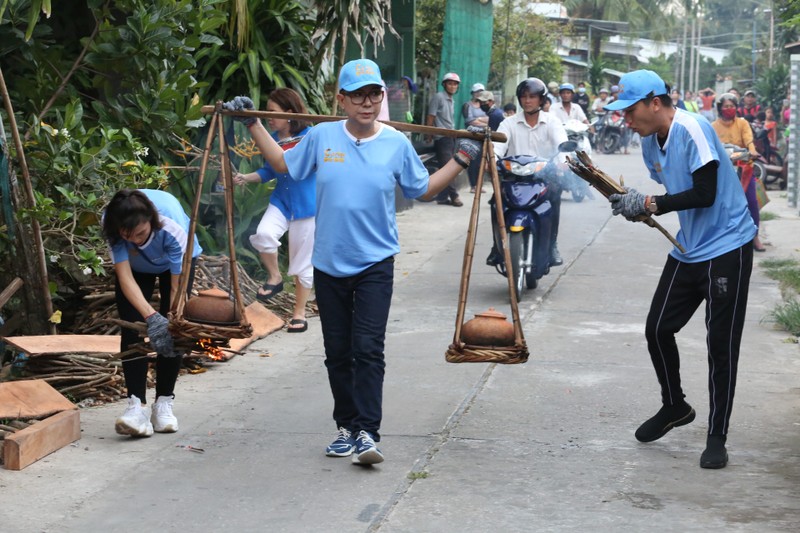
(737, 131)
(538, 133)
(565, 109)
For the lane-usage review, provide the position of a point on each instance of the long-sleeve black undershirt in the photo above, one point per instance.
(702, 194)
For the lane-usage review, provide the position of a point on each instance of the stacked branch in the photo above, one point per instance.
(80, 376)
(585, 169)
(97, 315)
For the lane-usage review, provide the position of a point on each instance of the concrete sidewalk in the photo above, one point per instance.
(545, 446)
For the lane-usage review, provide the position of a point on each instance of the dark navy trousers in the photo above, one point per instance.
(353, 313)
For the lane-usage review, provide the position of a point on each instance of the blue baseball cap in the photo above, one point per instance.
(635, 86)
(359, 73)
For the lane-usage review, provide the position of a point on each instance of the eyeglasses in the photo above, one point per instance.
(375, 96)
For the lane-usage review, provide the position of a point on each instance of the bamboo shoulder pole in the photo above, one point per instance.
(402, 126)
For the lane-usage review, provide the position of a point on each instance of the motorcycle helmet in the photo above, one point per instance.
(451, 76)
(725, 97)
(614, 89)
(534, 86)
(566, 87)
(602, 90)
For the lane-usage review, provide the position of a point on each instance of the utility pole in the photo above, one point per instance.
(771, 34)
(683, 52)
(691, 55)
(697, 70)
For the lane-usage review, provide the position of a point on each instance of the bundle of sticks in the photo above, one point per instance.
(585, 169)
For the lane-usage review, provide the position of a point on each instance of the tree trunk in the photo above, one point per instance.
(30, 263)
(342, 55)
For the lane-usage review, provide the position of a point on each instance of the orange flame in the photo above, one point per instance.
(210, 350)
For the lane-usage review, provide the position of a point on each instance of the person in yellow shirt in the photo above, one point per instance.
(736, 130)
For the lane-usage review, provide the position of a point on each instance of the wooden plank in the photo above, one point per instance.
(263, 321)
(33, 398)
(43, 438)
(34, 345)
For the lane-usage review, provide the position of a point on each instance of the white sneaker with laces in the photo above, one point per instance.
(135, 421)
(162, 418)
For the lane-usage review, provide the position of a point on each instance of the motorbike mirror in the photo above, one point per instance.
(568, 146)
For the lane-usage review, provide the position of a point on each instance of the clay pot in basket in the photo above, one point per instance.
(489, 328)
(212, 306)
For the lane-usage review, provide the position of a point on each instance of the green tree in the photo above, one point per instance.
(109, 94)
(523, 38)
(339, 21)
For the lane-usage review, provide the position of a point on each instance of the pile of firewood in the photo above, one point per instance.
(80, 376)
(93, 318)
(97, 378)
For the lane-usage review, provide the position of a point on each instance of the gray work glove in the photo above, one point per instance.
(470, 149)
(241, 103)
(160, 337)
(630, 205)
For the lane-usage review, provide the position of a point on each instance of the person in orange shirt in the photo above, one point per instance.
(736, 130)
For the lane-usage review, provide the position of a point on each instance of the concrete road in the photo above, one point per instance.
(545, 446)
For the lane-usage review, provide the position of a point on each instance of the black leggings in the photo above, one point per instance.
(134, 367)
(723, 283)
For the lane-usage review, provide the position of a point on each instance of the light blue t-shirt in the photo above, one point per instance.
(164, 249)
(295, 199)
(708, 232)
(356, 225)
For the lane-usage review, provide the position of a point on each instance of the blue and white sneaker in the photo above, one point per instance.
(343, 446)
(366, 453)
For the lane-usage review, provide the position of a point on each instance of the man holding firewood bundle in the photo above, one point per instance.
(683, 153)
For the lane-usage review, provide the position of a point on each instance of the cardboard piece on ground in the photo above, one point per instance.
(33, 398)
(263, 321)
(42, 438)
(60, 344)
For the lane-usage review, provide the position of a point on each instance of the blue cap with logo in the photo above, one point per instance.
(359, 73)
(635, 86)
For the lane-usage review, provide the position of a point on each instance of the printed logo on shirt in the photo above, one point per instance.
(332, 157)
(657, 166)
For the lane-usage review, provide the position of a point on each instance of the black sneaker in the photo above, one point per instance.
(668, 417)
(494, 258)
(555, 257)
(715, 455)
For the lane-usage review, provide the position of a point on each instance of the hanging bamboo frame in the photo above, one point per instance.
(458, 351)
(180, 324)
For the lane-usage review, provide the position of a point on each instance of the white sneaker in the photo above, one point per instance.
(135, 421)
(162, 418)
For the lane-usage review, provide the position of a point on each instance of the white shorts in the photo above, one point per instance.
(267, 239)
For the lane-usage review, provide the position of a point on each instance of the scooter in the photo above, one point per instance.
(577, 132)
(611, 129)
(527, 213)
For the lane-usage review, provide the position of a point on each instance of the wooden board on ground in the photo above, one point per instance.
(263, 321)
(32, 398)
(34, 345)
(42, 438)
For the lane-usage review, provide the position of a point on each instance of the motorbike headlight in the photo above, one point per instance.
(518, 169)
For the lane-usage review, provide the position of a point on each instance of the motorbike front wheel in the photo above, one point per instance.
(531, 281)
(516, 248)
(760, 171)
(609, 143)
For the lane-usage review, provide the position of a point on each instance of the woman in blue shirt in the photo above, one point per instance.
(358, 164)
(147, 231)
(291, 208)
